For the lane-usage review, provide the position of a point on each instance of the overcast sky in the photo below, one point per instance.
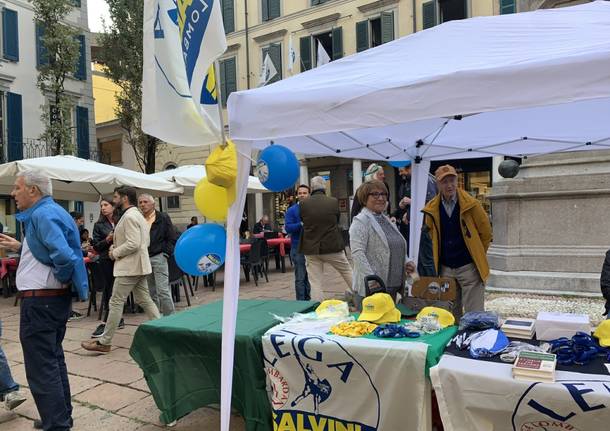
(97, 9)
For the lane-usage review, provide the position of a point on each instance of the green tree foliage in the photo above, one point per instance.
(58, 60)
(122, 57)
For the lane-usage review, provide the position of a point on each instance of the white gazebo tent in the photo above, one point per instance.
(189, 175)
(528, 83)
(79, 179)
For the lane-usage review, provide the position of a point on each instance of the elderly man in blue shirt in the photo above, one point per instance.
(294, 227)
(51, 264)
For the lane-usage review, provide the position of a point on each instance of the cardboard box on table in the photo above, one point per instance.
(550, 326)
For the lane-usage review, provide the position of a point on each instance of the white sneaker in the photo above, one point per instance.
(13, 400)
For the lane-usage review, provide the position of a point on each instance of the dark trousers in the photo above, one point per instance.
(106, 268)
(42, 330)
(301, 281)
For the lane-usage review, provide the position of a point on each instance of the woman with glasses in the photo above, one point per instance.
(377, 246)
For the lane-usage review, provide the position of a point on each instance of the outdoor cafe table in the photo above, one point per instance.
(180, 358)
(323, 381)
(280, 243)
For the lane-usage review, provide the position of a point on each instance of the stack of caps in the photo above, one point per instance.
(379, 308)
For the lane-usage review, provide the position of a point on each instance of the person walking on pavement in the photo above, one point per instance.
(294, 227)
(9, 390)
(102, 240)
(131, 268)
(461, 233)
(321, 240)
(51, 261)
(162, 242)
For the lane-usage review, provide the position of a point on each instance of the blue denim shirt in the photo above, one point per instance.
(54, 241)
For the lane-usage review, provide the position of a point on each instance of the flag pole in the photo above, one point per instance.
(223, 142)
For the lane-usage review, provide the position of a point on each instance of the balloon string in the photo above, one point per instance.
(246, 156)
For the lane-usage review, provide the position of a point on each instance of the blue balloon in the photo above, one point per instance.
(277, 168)
(201, 249)
(400, 163)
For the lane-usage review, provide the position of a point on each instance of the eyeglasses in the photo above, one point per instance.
(378, 195)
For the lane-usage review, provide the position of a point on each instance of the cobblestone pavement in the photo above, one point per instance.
(109, 392)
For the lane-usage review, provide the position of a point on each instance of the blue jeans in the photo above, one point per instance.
(7, 384)
(42, 330)
(301, 281)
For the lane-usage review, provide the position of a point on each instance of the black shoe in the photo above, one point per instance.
(99, 331)
(121, 324)
(38, 424)
(75, 315)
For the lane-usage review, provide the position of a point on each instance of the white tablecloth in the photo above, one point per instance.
(482, 396)
(324, 382)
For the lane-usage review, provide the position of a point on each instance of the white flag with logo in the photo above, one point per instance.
(323, 57)
(292, 55)
(268, 71)
(182, 39)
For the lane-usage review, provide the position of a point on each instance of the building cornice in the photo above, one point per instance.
(270, 36)
(376, 5)
(321, 20)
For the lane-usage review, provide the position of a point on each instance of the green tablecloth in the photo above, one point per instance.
(436, 343)
(180, 358)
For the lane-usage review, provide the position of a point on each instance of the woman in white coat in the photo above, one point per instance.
(377, 246)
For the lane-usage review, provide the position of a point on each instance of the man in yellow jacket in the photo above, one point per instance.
(460, 233)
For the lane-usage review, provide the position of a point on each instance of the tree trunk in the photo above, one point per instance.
(151, 154)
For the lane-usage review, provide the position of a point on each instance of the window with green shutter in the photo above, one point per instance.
(270, 9)
(362, 35)
(10, 35)
(228, 78)
(81, 66)
(14, 132)
(507, 6)
(42, 55)
(305, 53)
(428, 14)
(275, 55)
(82, 132)
(337, 41)
(228, 15)
(387, 27)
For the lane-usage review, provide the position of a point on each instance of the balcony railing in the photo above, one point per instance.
(33, 148)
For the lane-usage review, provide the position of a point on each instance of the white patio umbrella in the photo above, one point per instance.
(527, 83)
(189, 175)
(85, 180)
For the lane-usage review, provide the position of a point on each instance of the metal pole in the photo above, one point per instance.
(223, 142)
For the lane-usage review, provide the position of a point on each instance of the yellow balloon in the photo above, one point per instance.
(211, 200)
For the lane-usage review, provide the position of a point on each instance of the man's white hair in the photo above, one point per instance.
(33, 178)
(318, 183)
(147, 196)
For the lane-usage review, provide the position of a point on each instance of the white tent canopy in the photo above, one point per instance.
(189, 175)
(547, 72)
(526, 83)
(80, 179)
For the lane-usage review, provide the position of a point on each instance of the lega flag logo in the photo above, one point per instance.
(580, 406)
(322, 375)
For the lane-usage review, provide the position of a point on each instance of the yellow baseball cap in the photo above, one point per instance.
(379, 308)
(445, 318)
(603, 333)
(332, 308)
